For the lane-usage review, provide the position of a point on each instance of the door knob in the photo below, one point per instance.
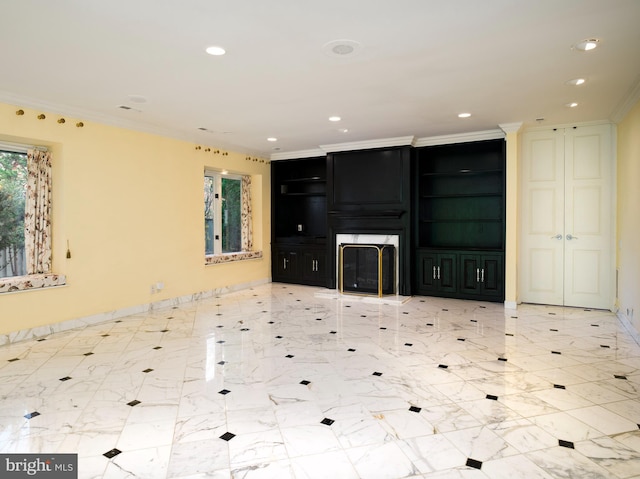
(558, 236)
(570, 237)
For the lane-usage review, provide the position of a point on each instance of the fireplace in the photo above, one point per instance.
(367, 268)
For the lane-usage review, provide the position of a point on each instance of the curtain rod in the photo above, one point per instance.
(20, 147)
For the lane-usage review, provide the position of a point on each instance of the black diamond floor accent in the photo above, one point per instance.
(514, 317)
(318, 319)
(377, 373)
(244, 329)
(227, 436)
(474, 463)
(224, 392)
(333, 332)
(508, 334)
(66, 378)
(88, 354)
(595, 325)
(148, 370)
(158, 347)
(41, 339)
(492, 397)
(289, 356)
(408, 344)
(278, 337)
(502, 359)
(221, 363)
(383, 328)
(31, 415)
(220, 342)
(327, 422)
(568, 444)
(474, 320)
(363, 315)
(305, 382)
(415, 409)
(559, 386)
(445, 309)
(461, 339)
(135, 402)
(270, 322)
(619, 377)
(554, 330)
(429, 324)
(351, 350)
(605, 346)
(112, 453)
(104, 335)
(220, 325)
(556, 352)
(164, 330)
(443, 366)
(552, 314)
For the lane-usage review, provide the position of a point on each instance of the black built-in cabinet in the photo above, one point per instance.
(299, 221)
(446, 203)
(459, 212)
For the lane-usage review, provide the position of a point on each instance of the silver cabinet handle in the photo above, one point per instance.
(477, 275)
(482, 277)
(570, 237)
(438, 272)
(434, 272)
(284, 263)
(558, 236)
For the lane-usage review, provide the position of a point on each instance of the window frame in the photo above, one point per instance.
(218, 176)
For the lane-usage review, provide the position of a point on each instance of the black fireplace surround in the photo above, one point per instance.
(369, 192)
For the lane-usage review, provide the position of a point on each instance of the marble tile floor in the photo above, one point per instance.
(276, 382)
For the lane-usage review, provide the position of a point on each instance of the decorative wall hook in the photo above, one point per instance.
(61, 120)
(207, 149)
(41, 116)
(20, 112)
(198, 148)
(216, 151)
(79, 124)
(224, 153)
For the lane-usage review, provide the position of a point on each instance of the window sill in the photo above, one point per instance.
(230, 257)
(31, 281)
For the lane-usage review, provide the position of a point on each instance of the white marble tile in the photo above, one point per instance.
(565, 427)
(202, 456)
(607, 453)
(604, 420)
(256, 448)
(432, 453)
(524, 435)
(330, 465)
(386, 461)
(514, 467)
(480, 443)
(309, 440)
(562, 462)
(149, 463)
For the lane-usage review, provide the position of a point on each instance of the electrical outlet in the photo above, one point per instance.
(300, 228)
(159, 286)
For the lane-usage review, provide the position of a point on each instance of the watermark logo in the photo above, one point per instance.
(49, 466)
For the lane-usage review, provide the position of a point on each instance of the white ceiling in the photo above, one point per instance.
(420, 63)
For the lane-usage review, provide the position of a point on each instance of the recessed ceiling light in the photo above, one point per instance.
(216, 51)
(341, 48)
(464, 115)
(576, 82)
(572, 104)
(272, 138)
(586, 45)
(334, 118)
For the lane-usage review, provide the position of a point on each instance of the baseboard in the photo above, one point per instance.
(41, 331)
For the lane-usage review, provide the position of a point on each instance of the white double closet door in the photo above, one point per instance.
(567, 240)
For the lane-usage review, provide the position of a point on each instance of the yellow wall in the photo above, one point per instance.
(131, 206)
(628, 216)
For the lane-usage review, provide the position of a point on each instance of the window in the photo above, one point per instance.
(222, 213)
(13, 187)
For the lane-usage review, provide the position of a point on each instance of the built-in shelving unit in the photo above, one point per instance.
(460, 220)
(299, 221)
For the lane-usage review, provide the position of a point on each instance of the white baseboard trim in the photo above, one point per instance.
(40, 331)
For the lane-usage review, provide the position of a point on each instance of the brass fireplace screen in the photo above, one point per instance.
(367, 269)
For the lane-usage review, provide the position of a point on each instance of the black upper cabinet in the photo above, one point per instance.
(460, 196)
(299, 199)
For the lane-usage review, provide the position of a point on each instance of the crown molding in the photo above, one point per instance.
(369, 144)
(568, 125)
(460, 138)
(510, 127)
(627, 103)
(294, 155)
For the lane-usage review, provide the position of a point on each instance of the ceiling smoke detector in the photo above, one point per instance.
(341, 48)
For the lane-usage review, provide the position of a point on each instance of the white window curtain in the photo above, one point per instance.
(37, 216)
(247, 226)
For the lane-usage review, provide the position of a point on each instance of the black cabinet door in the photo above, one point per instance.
(436, 272)
(314, 267)
(285, 267)
(482, 275)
